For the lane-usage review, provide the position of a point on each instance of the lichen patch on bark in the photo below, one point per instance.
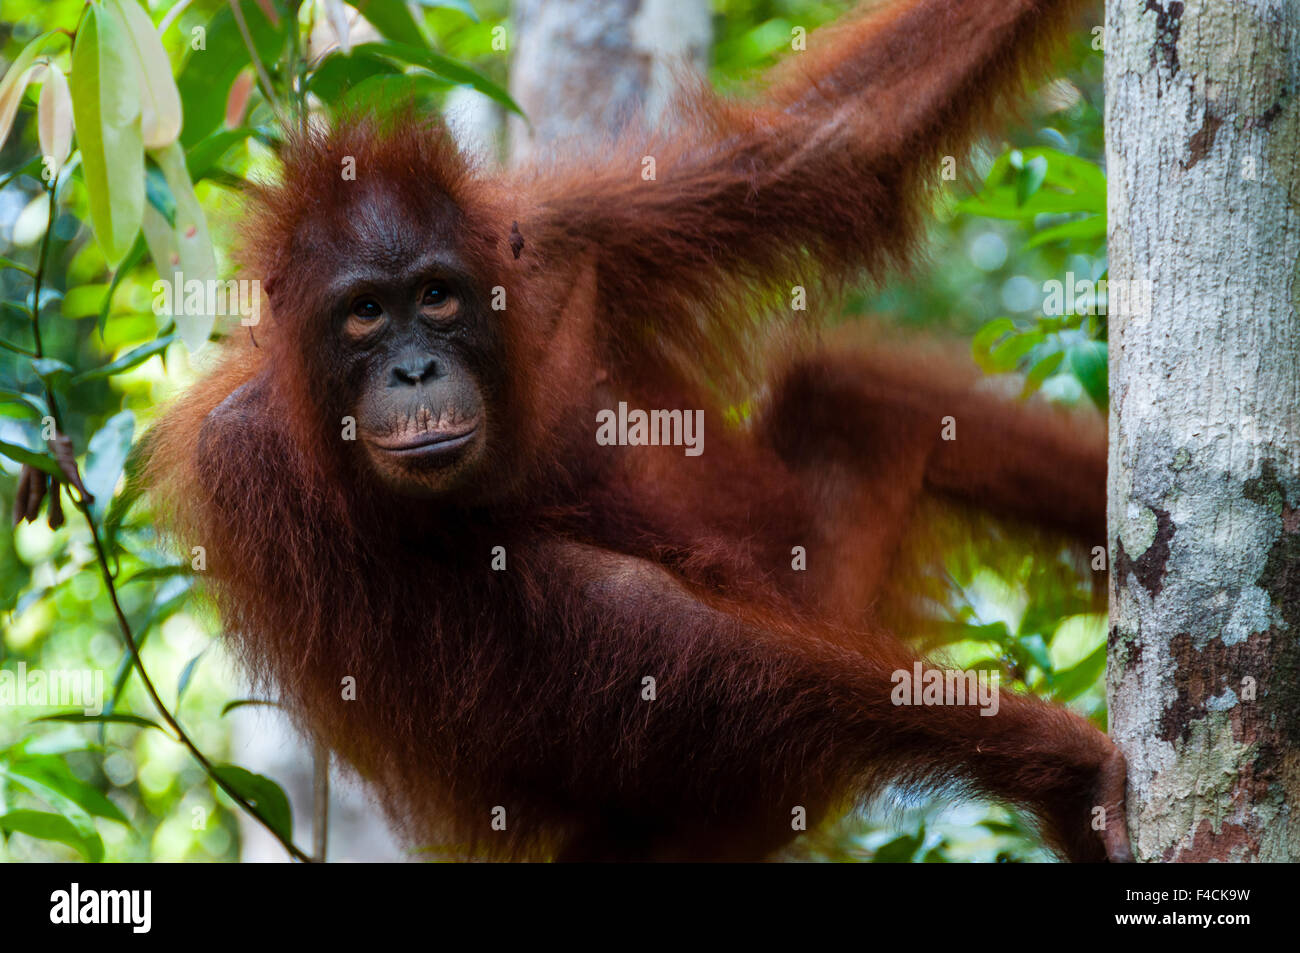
(1150, 566)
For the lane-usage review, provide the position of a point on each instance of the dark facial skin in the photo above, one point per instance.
(401, 338)
(420, 414)
(413, 344)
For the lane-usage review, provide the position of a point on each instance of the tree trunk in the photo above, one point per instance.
(582, 68)
(1203, 156)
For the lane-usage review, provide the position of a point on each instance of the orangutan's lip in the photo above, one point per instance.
(430, 442)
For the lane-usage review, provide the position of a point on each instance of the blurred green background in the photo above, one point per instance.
(1030, 211)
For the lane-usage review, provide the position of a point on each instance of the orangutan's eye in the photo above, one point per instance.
(367, 309)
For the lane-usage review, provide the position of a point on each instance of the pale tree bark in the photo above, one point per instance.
(1203, 157)
(581, 68)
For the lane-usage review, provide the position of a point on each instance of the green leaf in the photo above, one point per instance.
(9, 263)
(49, 368)
(230, 706)
(63, 741)
(375, 92)
(936, 854)
(157, 572)
(35, 401)
(1064, 170)
(132, 358)
(107, 113)
(160, 103)
(1035, 649)
(83, 300)
(1006, 356)
(108, 718)
(981, 344)
(1084, 229)
(105, 457)
(442, 66)
(1030, 179)
(203, 157)
(194, 259)
(133, 490)
(49, 778)
(1078, 175)
(32, 168)
(946, 633)
(900, 850)
(264, 794)
(1003, 202)
(30, 457)
(53, 827)
(1042, 370)
(1000, 827)
(1019, 186)
(460, 5)
(133, 258)
(1089, 365)
(340, 73)
(1074, 681)
(187, 673)
(997, 172)
(48, 297)
(392, 18)
(159, 193)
